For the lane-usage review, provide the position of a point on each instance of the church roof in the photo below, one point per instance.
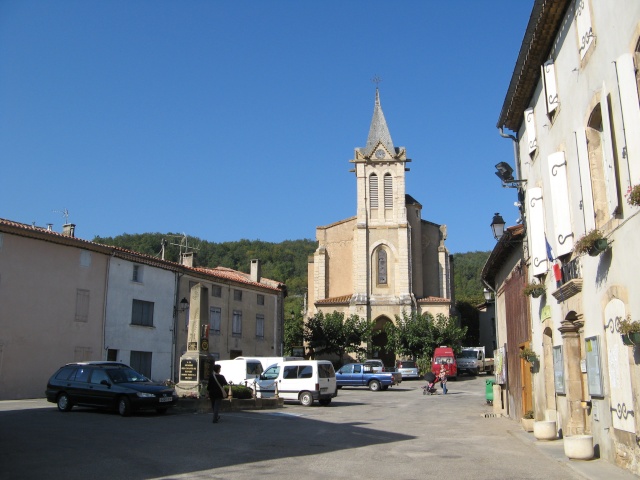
(342, 300)
(378, 132)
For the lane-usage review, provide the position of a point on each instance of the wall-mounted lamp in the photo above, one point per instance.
(487, 294)
(505, 173)
(497, 226)
(184, 305)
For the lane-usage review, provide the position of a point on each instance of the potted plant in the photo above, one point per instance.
(528, 421)
(533, 289)
(630, 331)
(528, 355)
(633, 195)
(592, 242)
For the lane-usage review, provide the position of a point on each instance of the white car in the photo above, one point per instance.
(407, 368)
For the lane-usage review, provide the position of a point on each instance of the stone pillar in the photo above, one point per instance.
(571, 352)
(196, 363)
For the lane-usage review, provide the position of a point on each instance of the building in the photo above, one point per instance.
(572, 105)
(64, 299)
(386, 259)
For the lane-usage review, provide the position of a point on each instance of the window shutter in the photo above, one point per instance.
(388, 191)
(562, 242)
(607, 154)
(536, 231)
(373, 191)
(631, 113)
(585, 180)
(583, 26)
(531, 130)
(549, 75)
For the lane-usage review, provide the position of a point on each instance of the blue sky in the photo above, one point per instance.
(230, 120)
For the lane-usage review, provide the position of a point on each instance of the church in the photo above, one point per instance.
(387, 259)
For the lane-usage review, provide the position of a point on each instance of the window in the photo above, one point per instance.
(216, 291)
(81, 374)
(82, 305)
(112, 355)
(142, 313)
(237, 295)
(583, 26)
(594, 374)
(558, 369)
(373, 191)
(259, 326)
(85, 258)
(236, 325)
(530, 124)
(260, 299)
(215, 316)
(141, 362)
(388, 191)
(99, 375)
(137, 274)
(382, 267)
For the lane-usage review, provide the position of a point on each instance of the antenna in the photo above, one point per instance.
(376, 79)
(184, 243)
(65, 214)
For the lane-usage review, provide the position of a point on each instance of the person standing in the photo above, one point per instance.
(442, 376)
(216, 391)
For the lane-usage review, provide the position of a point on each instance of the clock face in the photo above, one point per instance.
(380, 153)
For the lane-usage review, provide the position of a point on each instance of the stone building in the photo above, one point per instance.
(573, 106)
(386, 259)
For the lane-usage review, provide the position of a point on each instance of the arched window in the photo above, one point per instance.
(382, 267)
(388, 191)
(373, 191)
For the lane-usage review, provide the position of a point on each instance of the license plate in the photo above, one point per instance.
(165, 399)
(324, 389)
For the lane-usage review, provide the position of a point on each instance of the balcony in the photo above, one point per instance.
(571, 283)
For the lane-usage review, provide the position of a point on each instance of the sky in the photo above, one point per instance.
(227, 120)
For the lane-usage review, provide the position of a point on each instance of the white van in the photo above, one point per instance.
(268, 361)
(300, 380)
(240, 372)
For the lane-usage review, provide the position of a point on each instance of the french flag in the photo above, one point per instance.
(557, 272)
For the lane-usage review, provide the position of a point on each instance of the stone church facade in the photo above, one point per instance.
(387, 259)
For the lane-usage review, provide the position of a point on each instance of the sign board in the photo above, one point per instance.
(188, 370)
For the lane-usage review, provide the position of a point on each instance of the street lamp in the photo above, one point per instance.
(497, 226)
(487, 294)
(184, 305)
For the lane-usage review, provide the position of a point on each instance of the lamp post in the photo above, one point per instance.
(497, 226)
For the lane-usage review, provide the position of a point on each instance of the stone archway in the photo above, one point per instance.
(378, 346)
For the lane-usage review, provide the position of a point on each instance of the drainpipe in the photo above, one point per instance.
(516, 151)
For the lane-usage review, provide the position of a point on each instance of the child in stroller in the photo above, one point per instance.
(430, 387)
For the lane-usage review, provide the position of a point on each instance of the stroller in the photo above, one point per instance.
(430, 387)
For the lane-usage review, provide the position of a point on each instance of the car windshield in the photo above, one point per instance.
(407, 365)
(126, 375)
(468, 354)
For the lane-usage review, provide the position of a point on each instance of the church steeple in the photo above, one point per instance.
(378, 132)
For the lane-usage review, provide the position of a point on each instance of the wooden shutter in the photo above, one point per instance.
(558, 195)
(373, 190)
(530, 124)
(610, 177)
(551, 90)
(535, 208)
(388, 191)
(585, 180)
(583, 26)
(631, 113)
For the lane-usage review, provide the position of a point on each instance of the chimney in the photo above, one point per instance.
(69, 230)
(187, 259)
(49, 227)
(255, 271)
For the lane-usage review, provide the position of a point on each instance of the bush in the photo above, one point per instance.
(240, 391)
(627, 326)
(587, 242)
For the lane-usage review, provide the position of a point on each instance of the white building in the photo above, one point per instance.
(573, 108)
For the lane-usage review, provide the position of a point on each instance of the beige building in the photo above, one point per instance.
(64, 299)
(386, 259)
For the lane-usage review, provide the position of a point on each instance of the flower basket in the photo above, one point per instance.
(528, 355)
(533, 289)
(633, 195)
(592, 243)
(627, 340)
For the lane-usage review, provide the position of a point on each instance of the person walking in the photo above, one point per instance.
(215, 387)
(442, 376)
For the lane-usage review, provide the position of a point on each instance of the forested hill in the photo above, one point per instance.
(285, 262)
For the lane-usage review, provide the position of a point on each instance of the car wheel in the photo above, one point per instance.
(64, 403)
(124, 406)
(161, 411)
(306, 399)
(374, 385)
(474, 372)
(325, 402)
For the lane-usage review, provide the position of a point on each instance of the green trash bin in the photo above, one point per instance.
(489, 391)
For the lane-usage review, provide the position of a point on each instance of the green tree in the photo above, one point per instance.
(333, 334)
(293, 323)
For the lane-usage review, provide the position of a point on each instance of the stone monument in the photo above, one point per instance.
(197, 363)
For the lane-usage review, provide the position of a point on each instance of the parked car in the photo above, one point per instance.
(407, 368)
(377, 366)
(109, 385)
(362, 375)
(303, 381)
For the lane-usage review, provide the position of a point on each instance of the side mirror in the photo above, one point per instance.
(104, 382)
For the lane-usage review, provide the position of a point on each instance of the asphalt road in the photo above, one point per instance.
(395, 434)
